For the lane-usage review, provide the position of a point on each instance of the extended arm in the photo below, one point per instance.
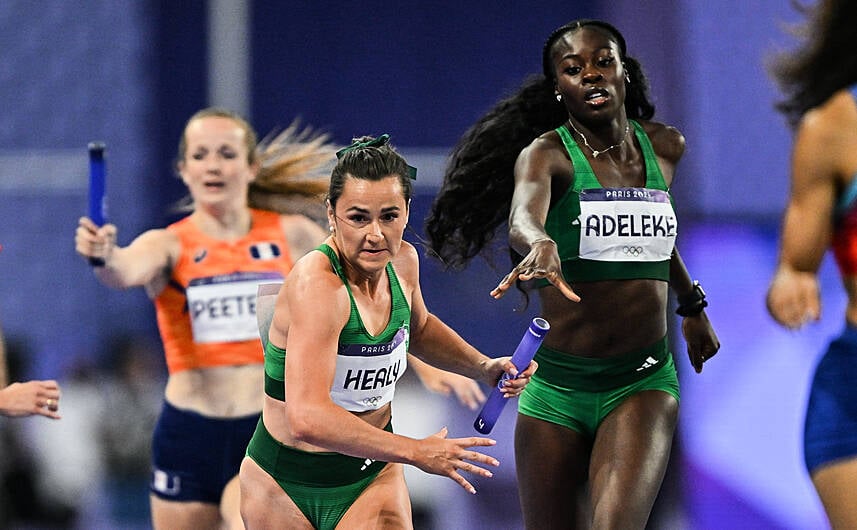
(534, 171)
(439, 345)
(145, 262)
(317, 306)
(793, 295)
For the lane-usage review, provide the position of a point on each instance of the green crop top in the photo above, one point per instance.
(613, 233)
(367, 366)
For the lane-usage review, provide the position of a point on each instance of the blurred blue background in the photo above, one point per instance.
(130, 73)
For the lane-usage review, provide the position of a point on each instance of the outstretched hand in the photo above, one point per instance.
(541, 262)
(444, 456)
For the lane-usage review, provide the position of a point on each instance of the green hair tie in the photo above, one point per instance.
(384, 139)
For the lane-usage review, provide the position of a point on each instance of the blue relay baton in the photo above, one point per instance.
(97, 189)
(524, 353)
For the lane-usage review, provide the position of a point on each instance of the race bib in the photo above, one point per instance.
(223, 308)
(626, 224)
(366, 374)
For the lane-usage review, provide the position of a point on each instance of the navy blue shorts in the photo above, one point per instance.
(830, 431)
(194, 456)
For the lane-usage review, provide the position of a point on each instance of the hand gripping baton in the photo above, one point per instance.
(97, 189)
(524, 353)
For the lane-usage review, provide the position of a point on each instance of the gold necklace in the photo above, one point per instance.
(595, 152)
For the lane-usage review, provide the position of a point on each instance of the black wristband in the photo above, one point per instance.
(692, 303)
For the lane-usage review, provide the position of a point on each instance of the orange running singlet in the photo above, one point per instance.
(207, 312)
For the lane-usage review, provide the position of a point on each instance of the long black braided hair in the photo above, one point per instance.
(475, 197)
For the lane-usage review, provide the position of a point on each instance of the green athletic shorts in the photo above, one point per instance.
(579, 392)
(322, 485)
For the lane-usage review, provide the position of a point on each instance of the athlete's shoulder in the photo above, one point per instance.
(313, 281)
(546, 143)
(833, 118)
(543, 157)
(667, 141)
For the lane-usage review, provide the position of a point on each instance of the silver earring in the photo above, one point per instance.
(330, 228)
(627, 78)
(559, 97)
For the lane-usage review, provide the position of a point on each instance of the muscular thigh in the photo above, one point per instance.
(630, 455)
(264, 504)
(384, 504)
(551, 462)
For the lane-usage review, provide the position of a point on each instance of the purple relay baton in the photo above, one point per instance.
(524, 353)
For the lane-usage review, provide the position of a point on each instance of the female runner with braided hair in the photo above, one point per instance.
(582, 175)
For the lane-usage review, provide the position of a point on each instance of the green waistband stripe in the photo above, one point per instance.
(599, 374)
(292, 465)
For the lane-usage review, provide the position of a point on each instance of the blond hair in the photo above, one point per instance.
(294, 167)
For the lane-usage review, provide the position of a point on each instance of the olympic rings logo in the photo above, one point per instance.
(372, 401)
(632, 251)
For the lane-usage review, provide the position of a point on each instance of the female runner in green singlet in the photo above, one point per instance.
(574, 164)
(324, 455)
